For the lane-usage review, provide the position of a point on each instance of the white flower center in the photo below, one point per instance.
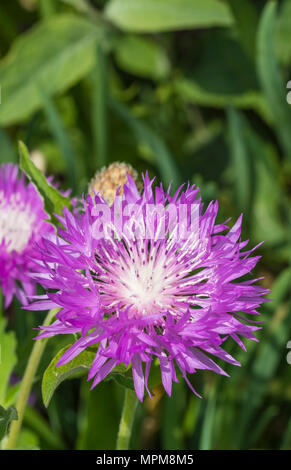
(145, 281)
(16, 222)
(144, 287)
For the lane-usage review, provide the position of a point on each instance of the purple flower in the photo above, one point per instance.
(22, 222)
(134, 279)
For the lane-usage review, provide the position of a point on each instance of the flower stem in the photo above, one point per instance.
(126, 422)
(26, 384)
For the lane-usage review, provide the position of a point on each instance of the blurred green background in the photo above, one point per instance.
(191, 90)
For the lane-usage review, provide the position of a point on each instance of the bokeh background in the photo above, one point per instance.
(191, 90)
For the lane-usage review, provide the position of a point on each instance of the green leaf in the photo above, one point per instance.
(142, 57)
(47, 8)
(246, 19)
(126, 382)
(270, 77)
(54, 376)
(99, 80)
(267, 223)
(11, 394)
(241, 160)
(6, 416)
(208, 424)
(79, 366)
(167, 15)
(99, 416)
(45, 56)
(193, 92)
(146, 136)
(54, 202)
(61, 136)
(8, 358)
(282, 33)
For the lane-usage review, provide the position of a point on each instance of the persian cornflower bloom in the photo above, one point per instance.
(144, 288)
(22, 222)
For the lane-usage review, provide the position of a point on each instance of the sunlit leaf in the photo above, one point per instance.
(142, 57)
(167, 15)
(45, 56)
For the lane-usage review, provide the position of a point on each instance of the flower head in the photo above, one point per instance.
(110, 179)
(151, 278)
(22, 222)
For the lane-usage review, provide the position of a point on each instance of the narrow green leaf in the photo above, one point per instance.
(208, 429)
(282, 33)
(47, 8)
(54, 202)
(280, 289)
(286, 438)
(145, 135)
(99, 107)
(99, 416)
(240, 158)
(266, 221)
(246, 19)
(151, 16)
(270, 77)
(8, 358)
(62, 137)
(268, 357)
(191, 91)
(173, 412)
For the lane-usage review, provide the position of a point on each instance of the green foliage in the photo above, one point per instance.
(6, 416)
(190, 90)
(54, 202)
(142, 57)
(167, 15)
(54, 376)
(45, 58)
(7, 359)
(270, 77)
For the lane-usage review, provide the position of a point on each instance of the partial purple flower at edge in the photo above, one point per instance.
(22, 223)
(142, 299)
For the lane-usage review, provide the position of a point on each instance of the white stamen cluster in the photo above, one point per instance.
(16, 222)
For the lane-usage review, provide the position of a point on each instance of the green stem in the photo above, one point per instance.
(26, 384)
(126, 422)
